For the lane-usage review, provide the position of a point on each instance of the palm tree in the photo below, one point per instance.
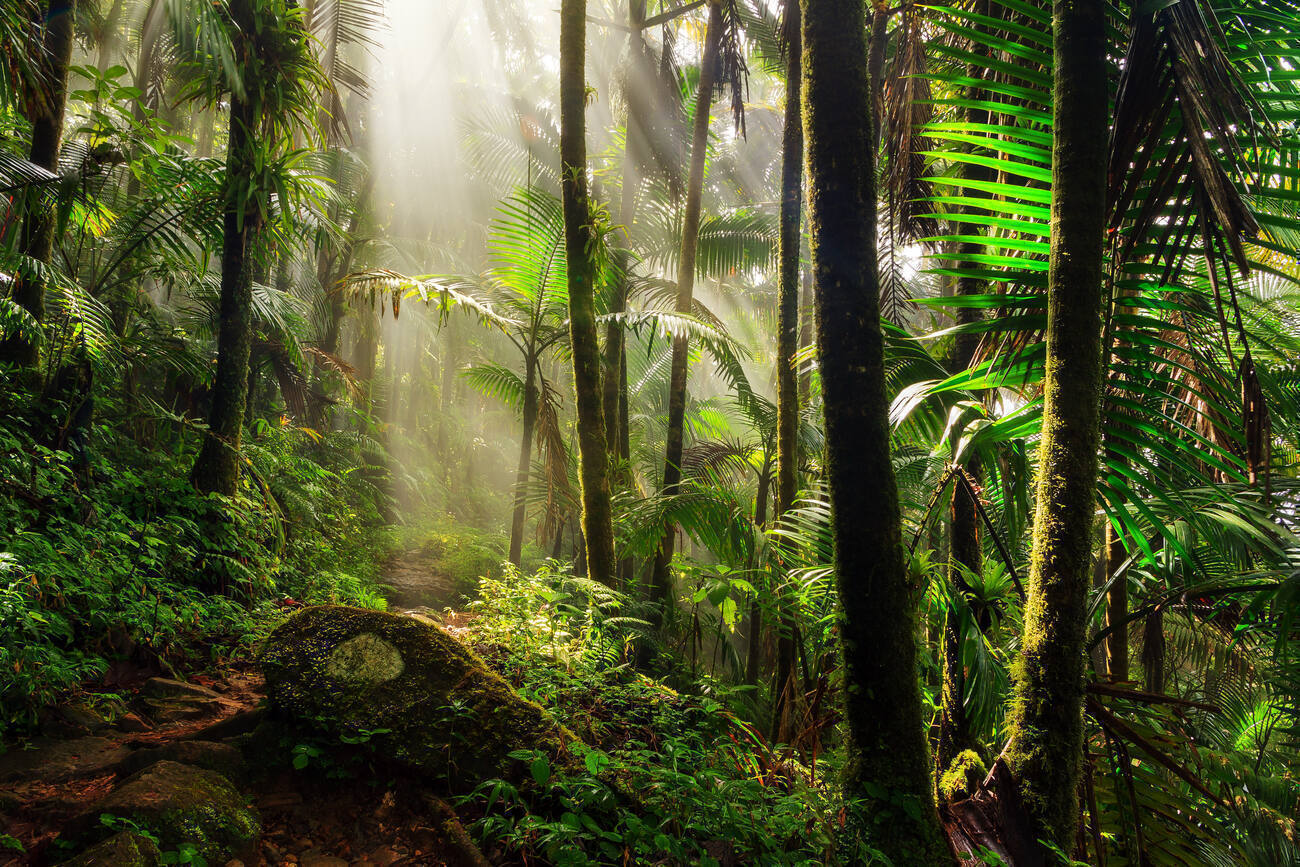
(46, 103)
(887, 779)
(593, 452)
(273, 80)
(720, 66)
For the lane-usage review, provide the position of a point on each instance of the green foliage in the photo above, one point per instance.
(109, 554)
(663, 773)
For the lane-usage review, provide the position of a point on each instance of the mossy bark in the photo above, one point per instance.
(531, 398)
(28, 291)
(787, 344)
(217, 468)
(887, 775)
(1046, 724)
(593, 453)
(661, 582)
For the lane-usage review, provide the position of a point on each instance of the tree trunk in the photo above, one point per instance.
(887, 775)
(1046, 724)
(525, 460)
(661, 582)
(614, 338)
(787, 344)
(217, 467)
(1117, 667)
(593, 452)
(28, 290)
(754, 627)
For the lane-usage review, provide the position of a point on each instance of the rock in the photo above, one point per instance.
(164, 710)
(56, 761)
(161, 687)
(313, 860)
(83, 716)
(123, 849)
(131, 723)
(232, 726)
(9, 802)
(178, 804)
(419, 695)
(222, 758)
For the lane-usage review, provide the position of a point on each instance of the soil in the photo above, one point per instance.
(339, 811)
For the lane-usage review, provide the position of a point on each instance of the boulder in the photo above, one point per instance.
(165, 688)
(177, 804)
(56, 761)
(222, 758)
(123, 849)
(420, 696)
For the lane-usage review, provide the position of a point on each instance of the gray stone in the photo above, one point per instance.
(57, 761)
(164, 688)
(221, 758)
(366, 658)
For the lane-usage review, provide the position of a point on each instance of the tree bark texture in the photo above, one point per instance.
(531, 398)
(217, 468)
(28, 290)
(887, 775)
(593, 454)
(1046, 724)
(787, 344)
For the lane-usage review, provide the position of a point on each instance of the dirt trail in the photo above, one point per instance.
(414, 580)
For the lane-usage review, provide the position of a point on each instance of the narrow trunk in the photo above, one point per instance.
(661, 582)
(787, 344)
(887, 775)
(28, 290)
(1046, 723)
(1117, 668)
(593, 453)
(525, 460)
(217, 467)
(614, 338)
(754, 627)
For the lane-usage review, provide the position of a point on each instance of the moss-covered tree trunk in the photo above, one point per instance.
(217, 468)
(787, 344)
(593, 453)
(531, 397)
(1046, 724)
(661, 582)
(887, 775)
(28, 290)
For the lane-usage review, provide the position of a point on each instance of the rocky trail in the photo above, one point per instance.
(210, 772)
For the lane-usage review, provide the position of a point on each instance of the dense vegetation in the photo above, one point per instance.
(813, 405)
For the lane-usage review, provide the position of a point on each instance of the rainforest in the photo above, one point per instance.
(649, 432)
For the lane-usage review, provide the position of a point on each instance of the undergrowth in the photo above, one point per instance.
(107, 554)
(667, 775)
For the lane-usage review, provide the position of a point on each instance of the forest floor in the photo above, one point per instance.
(335, 811)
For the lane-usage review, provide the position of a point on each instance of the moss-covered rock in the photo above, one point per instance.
(123, 849)
(209, 755)
(429, 701)
(177, 804)
(963, 777)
